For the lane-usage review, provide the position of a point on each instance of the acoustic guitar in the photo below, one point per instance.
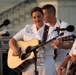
(18, 63)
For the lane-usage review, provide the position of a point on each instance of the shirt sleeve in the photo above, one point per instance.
(73, 49)
(19, 35)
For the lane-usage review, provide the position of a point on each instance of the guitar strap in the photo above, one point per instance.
(57, 28)
(55, 50)
(41, 50)
(45, 33)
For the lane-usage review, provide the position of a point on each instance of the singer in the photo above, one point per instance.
(59, 27)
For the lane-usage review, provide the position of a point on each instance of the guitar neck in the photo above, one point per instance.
(65, 40)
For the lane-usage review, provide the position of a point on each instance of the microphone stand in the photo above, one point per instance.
(35, 62)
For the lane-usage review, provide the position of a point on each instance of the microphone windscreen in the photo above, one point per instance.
(6, 22)
(70, 28)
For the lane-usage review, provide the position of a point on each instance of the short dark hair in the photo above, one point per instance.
(49, 7)
(37, 9)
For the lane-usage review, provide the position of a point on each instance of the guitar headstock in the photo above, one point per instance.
(67, 41)
(68, 38)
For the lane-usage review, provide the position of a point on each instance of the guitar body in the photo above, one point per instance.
(15, 62)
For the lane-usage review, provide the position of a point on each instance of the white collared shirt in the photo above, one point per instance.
(30, 32)
(73, 49)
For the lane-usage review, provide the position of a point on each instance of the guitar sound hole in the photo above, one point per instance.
(28, 49)
(26, 54)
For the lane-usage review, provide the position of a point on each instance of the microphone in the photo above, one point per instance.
(5, 23)
(69, 28)
(4, 33)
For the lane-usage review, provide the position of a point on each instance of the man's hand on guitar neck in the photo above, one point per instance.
(63, 44)
(57, 43)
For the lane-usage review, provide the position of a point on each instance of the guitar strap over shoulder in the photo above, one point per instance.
(55, 50)
(45, 33)
(57, 28)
